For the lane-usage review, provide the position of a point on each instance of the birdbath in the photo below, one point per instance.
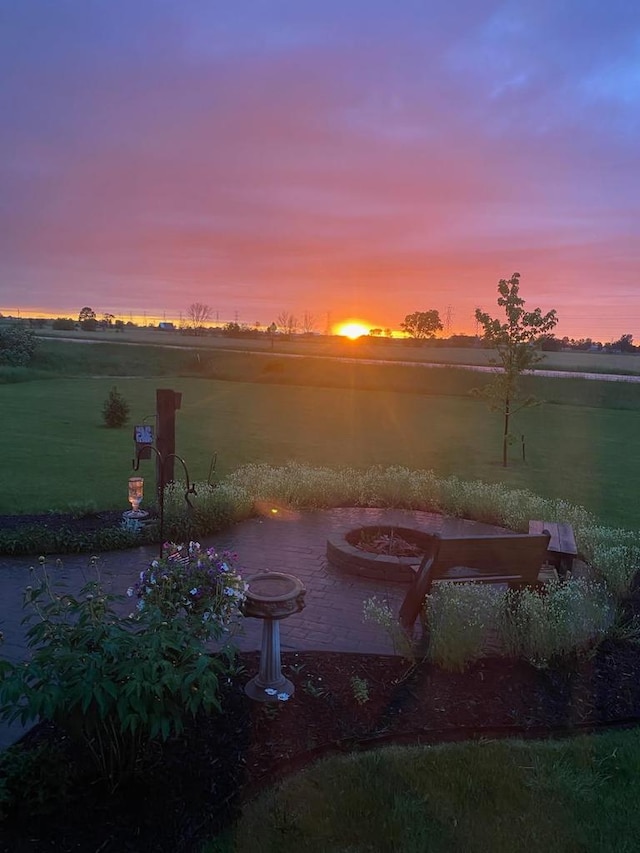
(271, 596)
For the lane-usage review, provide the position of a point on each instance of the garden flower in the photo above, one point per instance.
(200, 587)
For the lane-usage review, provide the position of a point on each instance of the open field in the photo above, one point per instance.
(389, 350)
(57, 452)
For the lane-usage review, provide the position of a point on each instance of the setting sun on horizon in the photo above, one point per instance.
(352, 329)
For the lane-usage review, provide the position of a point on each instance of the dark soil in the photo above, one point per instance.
(89, 523)
(193, 786)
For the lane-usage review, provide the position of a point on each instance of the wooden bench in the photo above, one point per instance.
(516, 559)
(562, 547)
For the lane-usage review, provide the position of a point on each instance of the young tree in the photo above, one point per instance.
(516, 342)
(198, 314)
(422, 325)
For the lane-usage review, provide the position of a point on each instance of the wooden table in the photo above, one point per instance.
(562, 546)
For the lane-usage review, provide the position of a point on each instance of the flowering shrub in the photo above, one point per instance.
(562, 620)
(459, 618)
(113, 683)
(197, 586)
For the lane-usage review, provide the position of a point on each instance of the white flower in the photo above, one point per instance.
(130, 592)
(154, 564)
(270, 691)
(282, 697)
(193, 591)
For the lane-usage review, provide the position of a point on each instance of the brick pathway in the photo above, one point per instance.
(288, 542)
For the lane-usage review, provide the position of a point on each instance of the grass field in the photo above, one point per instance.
(363, 348)
(57, 452)
(575, 795)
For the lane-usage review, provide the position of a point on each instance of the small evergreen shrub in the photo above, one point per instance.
(115, 411)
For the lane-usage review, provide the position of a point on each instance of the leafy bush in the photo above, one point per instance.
(64, 324)
(115, 411)
(561, 620)
(17, 345)
(213, 508)
(39, 539)
(381, 613)
(458, 620)
(113, 683)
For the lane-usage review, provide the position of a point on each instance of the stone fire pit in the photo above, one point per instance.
(378, 551)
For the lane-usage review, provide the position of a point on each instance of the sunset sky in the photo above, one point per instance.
(363, 159)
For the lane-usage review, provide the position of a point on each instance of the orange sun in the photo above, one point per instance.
(352, 329)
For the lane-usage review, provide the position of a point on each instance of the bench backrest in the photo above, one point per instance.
(515, 558)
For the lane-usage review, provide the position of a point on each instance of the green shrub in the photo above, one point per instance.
(64, 324)
(33, 539)
(381, 613)
(459, 618)
(17, 345)
(213, 508)
(115, 411)
(113, 683)
(562, 620)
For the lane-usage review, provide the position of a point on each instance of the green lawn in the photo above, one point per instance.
(574, 796)
(56, 450)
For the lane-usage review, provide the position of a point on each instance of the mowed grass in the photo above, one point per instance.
(56, 450)
(577, 796)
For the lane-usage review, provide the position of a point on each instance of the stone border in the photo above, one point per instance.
(355, 561)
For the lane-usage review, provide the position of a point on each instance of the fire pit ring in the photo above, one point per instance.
(347, 552)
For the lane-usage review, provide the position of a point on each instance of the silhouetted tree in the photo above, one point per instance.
(422, 325)
(288, 323)
(87, 319)
(198, 314)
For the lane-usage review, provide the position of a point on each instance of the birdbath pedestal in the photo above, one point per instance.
(271, 596)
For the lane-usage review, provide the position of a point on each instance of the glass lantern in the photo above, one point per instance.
(136, 491)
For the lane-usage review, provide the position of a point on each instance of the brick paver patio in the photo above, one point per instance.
(283, 541)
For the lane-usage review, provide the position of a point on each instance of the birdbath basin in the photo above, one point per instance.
(271, 596)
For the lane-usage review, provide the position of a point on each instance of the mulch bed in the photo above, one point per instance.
(195, 785)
